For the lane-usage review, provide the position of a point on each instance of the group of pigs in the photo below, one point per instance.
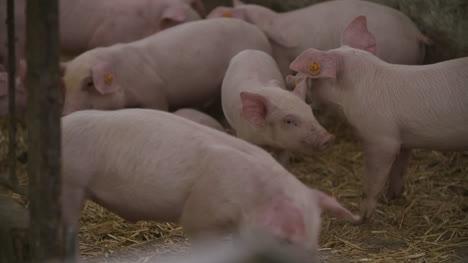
(354, 59)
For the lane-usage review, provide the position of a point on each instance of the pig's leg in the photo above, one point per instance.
(396, 183)
(379, 158)
(204, 214)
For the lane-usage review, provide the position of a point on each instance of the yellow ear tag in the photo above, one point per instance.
(108, 78)
(227, 14)
(314, 68)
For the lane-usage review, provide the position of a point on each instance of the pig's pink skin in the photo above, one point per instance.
(393, 108)
(199, 117)
(152, 165)
(319, 26)
(181, 67)
(288, 123)
(87, 24)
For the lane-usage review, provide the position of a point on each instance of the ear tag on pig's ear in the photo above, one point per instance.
(108, 78)
(314, 68)
(227, 14)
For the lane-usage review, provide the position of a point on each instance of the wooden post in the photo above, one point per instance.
(44, 111)
(11, 92)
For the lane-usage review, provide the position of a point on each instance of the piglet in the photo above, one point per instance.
(320, 25)
(87, 24)
(393, 108)
(181, 67)
(152, 165)
(261, 111)
(199, 117)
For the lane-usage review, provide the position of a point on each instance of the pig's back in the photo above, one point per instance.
(192, 58)
(139, 163)
(398, 38)
(250, 70)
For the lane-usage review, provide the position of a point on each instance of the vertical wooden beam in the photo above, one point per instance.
(11, 92)
(44, 111)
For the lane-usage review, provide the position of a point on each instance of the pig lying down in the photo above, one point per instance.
(87, 24)
(260, 109)
(393, 108)
(320, 25)
(152, 165)
(199, 117)
(180, 67)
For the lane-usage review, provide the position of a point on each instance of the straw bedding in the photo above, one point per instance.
(428, 224)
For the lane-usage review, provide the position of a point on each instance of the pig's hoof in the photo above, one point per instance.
(394, 193)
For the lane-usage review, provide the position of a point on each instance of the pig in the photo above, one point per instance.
(260, 109)
(393, 108)
(181, 67)
(199, 117)
(87, 24)
(147, 164)
(320, 25)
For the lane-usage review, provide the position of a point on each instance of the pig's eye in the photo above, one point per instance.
(290, 121)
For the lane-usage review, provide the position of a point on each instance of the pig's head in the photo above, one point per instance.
(285, 121)
(262, 17)
(295, 218)
(327, 69)
(91, 83)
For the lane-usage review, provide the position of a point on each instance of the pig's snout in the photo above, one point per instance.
(329, 140)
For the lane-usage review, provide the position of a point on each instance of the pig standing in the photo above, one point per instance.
(320, 25)
(199, 117)
(181, 67)
(87, 24)
(393, 108)
(151, 165)
(261, 111)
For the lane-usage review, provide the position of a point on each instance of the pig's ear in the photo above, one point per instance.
(223, 11)
(198, 6)
(331, 206)
(284, 220)
(300, 89)
(172, 16)
(356, 35)
(104, 78)
(255, 108)
(314, 63)
(290, 82)
(237, 3)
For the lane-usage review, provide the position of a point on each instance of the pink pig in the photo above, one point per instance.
(87, 24)
(394, 108)
(181, 67)
(320, 25)
(151, 165)
(199, 117)
(260, 109)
